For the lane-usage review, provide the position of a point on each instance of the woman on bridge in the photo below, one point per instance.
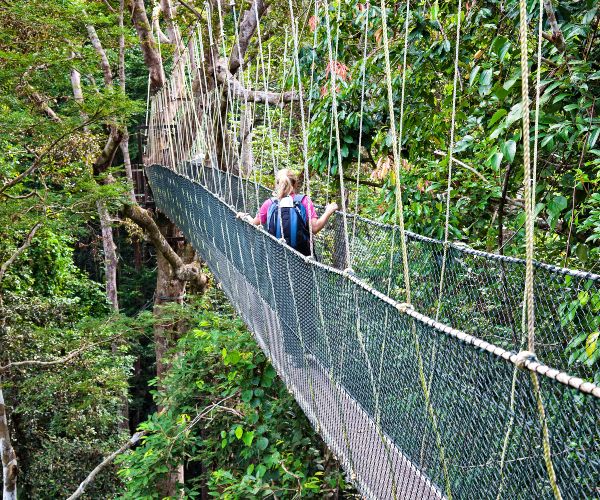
(294, 212)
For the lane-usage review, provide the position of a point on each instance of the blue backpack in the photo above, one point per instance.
(294, 221)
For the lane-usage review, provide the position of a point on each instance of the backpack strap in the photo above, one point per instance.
(300, 208)
(272, 208)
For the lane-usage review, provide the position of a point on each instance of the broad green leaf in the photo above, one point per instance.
(594, 134)
(516, 113)
(495, 160)
(262, 443)
(248, 437)
(509, 148)
(474, 73)
(497, 116)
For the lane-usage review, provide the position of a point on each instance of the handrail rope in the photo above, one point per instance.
(463, 248)
(530, 364)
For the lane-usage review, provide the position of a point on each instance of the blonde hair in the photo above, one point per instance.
(285, 183)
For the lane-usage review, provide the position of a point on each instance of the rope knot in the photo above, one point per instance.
(404, 306)
(523, 357)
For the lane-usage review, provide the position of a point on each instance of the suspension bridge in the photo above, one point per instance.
(415, 359)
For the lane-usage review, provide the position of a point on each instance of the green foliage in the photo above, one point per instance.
(226, 409)
(489, 111)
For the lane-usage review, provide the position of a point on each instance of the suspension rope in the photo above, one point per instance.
(397, 138)
(450, 161)
(529, 204)
(333, 75)
(363, 71)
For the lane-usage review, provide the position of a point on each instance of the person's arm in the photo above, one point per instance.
(319, 223)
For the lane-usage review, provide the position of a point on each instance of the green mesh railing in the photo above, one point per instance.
(483, 292)
(413, 408)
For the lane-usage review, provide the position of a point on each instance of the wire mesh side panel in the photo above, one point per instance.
(410, 411)
(482, 292)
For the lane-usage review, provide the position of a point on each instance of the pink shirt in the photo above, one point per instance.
(306, 201)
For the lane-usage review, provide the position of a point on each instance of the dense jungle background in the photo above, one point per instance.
(111, 325)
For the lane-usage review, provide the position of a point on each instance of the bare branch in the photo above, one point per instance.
(135, 439)
(109, 6)
(183, 271)
(247, 28)
(462, 164)
(238, 90)
(557, 37)
(42, 103)
(192, 10)
(59, 361)
(156, 25)
(19, 251)
(101, 52)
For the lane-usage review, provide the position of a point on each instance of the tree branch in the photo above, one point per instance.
(247, 28)
(557, 37)
(225, 77)
(182, 271)
(462, 164)
(135, 439)
(147, 44)
(363, 182)
(192, 10)
(106, 157)
(42, 103)
(19, 251)
(102, 53)
(59, 361)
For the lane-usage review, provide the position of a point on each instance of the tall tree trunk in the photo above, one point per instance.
(168, 289)
(125, 141)
(9, 458)
(148, 45)
(110, 256)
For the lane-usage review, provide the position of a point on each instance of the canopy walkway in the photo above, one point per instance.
(412, 407)
(412, 357)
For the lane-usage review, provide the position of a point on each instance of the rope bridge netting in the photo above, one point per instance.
(416, 359)
(355, 360)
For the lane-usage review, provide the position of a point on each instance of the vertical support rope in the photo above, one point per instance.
(397, 139)
(529, 196)
(363, 71)
(450, 161)
(333, 74)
